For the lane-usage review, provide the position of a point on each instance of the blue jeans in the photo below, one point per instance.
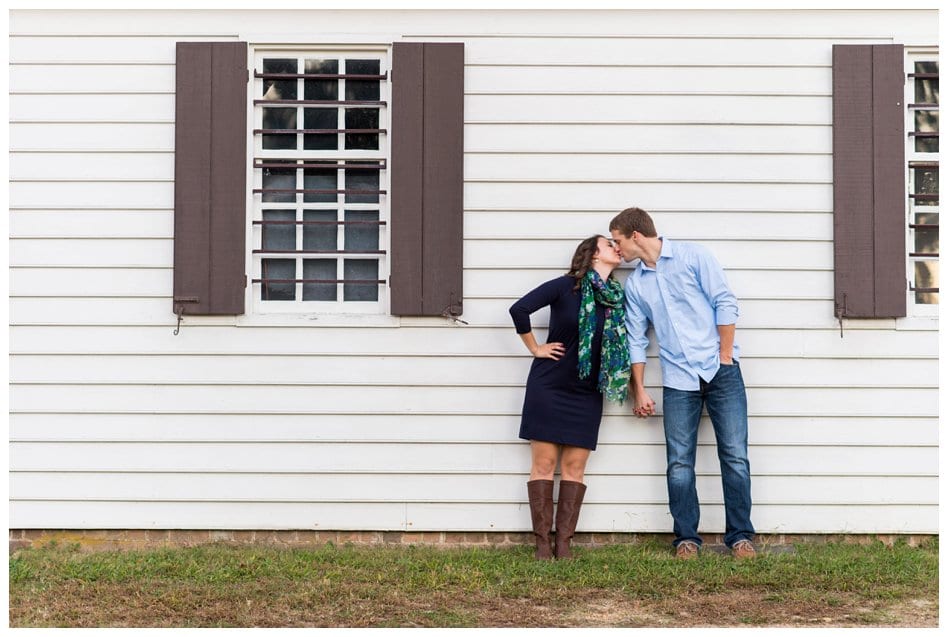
(727, 406)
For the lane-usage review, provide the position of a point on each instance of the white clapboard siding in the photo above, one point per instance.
(420, 428)
(440, 487)
(196, 337)
(666, 80)
(590, 137)
(455, 370)
(634, 167)
(485, 516)
(719, 122)
(77, 166)
(385, 457)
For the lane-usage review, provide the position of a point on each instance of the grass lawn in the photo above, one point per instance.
(354, 586)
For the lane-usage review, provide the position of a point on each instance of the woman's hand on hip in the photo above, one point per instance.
(550, 350)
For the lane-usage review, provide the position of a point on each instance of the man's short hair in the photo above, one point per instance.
(633, 220)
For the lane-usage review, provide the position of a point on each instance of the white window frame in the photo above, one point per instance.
(915, 54)
(357, 311)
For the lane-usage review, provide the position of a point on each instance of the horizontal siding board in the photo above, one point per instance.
(76, 49)
(800, 401)
(632, 167)
(332, 488)
(754, 313)
(93, 107)
(91, 252)
(644, 79)
(421, 370)
(223, 339)
(99, 166)
(110, 194)
(92, 136)
(718, 109)
(118, 224)
(619, 427)
(454, 517)
(439, 457)
(93, 78)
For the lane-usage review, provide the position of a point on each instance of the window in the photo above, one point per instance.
(320, 181)
(921, 153)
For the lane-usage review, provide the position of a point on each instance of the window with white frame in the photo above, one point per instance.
(922, 164)
(320, 180)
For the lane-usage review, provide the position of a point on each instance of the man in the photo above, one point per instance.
(680, 289)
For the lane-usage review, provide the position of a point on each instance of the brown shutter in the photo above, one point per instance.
(427, 178)
(869, 180)
(210, 167)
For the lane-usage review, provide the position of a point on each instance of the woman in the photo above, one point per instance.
(585, 356)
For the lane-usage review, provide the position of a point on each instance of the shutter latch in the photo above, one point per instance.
(840, 313)
(179, 308)
(453, 312)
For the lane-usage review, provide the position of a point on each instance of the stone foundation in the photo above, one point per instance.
(134, 539)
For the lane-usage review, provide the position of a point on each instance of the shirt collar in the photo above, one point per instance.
(668, 252)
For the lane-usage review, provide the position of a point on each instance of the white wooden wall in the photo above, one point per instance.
(718, 122)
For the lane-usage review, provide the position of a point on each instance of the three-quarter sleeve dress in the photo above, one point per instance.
(558, 406)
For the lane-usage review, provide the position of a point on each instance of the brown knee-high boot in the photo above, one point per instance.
(540, 493)
(567, 514)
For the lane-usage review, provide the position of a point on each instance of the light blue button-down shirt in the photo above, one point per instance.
(685, 297)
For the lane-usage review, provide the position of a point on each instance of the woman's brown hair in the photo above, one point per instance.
(583, 258)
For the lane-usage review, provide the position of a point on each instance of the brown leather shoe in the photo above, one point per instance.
(540, 493)
(567, 514)
(687, 550)
(743, 549)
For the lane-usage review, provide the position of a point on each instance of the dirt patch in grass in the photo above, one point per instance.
(300, 604)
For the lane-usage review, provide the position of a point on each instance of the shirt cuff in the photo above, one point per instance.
(636, 355)
(725, 316)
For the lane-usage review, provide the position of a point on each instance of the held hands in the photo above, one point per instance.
(549, 350)
(643, 405)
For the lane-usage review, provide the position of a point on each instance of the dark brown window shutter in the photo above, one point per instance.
(210, 167)
(869, 180)
(427, 198)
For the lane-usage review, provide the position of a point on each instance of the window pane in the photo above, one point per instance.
(279, 118)
(321, 89)
(362, 89)
(279, 89)
(926, 91)
(926, 217)
(362, 237)
(320, 179)
(926, 183)
(319, 269)
(362, 180)
(362, 118)
(279, 178)
(279, 236)
(278, 269)
(325, 118)
(926, 276)
(926, 67)
(320, 237)
(361, 269)
(926, 240)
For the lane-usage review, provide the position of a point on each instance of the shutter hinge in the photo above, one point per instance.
(245, 280)
(840, 313)
(248, 75)
(179, 302)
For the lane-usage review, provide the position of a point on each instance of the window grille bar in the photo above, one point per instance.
(924, 196)
(318, 76)
(924, 105)
(325, 102)
(311, 191)
(932, 255)
(923, 164)
(924, 76)
(923, 225)
(914, 289)
(343, 166)
(275, 222)
(316, 131)
(320, 252)
(353, 281)
(920, 134)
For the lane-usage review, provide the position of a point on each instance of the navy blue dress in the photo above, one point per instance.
(560, 407)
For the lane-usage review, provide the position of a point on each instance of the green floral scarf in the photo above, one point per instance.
(615, 368)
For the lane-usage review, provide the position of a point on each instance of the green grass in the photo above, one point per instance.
(427, 586)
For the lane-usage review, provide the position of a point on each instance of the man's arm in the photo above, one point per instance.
(643, 405)
(713, 282)
(726, 334)
(636, 325)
